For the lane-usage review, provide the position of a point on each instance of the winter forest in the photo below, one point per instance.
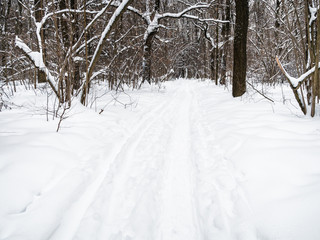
(159, 119)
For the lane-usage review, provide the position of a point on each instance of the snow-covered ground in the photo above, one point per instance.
(186, 162)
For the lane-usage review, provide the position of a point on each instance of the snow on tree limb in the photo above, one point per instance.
(205, 19)
(40, 24)
(37, 60)
(146, 15)
(296, 82)
(183, 12)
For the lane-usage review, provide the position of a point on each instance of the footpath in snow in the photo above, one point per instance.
(186, 162)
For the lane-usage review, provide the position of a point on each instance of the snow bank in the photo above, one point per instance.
(277, 151)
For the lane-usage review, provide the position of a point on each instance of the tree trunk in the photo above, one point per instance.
(315, 78)
(75, 27)
(213, 65)
(38, 4)
(64, 25)
(225, 32)
(147, 61)
(309, 57)
(115, 17)
(217, 60)
(147, 47)
(240, 48)
(5, 11)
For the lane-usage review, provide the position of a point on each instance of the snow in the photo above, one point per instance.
(183, 161)
(37, 59)
(296, 81)
(313, 13)
(35, 56)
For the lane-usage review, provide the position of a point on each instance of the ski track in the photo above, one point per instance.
(179, 218)
(70, 222)
(167, 179)
(143, 189)
(221, 201)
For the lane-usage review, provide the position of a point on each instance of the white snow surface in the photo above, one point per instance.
(184, 162)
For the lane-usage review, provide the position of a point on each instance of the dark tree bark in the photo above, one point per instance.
(216, 49)
(277, 24)
(315, 87)
(4, 12)
(240, 48)
(18, 28)
(64, 25)
(309, 49)
(75, 27)
(213, 65)
(147, 55)
(225, 32)
(147, 48)
(38, 6)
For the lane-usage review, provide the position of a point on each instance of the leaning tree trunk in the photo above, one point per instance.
(103, 39)
(240, 48)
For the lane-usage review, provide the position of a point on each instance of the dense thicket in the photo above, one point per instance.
(73, 44)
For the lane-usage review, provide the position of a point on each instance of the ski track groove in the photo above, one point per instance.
(220, 206)
(123, 175)
(70, 222)
(121, 199)
(190, 189)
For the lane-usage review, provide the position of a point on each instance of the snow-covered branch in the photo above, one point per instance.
(37, 59)
(183, 12)
(296, 82)
(205, 19)
(40, 24)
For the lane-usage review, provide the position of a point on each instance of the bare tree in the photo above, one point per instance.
(308, 69)
(106, 32)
